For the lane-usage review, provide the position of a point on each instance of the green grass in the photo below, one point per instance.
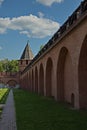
(34, 112)
(3, 95)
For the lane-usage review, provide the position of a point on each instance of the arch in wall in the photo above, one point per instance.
(12, 83)
(49, 71)
(21, 81)
(41, 80)
(60, 73)
(36, 79)
(29, 80)
(72, 99)
(32, 81)
(82, 75)
(24, 82)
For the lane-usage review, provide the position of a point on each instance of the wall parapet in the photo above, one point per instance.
(76, 15)
(8, 74)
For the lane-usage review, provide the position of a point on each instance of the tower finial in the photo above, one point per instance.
(27, 41)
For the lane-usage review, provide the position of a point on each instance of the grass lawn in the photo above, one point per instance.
(35, 112)
(3, 95)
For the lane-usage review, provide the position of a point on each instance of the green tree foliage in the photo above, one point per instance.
(8, 66)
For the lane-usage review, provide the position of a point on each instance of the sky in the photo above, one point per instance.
(30, 20)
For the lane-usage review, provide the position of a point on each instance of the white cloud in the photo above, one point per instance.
(32, 26)
(26, 33)
(4, 23)
(41, 15)
(1, 1)
(49, 2)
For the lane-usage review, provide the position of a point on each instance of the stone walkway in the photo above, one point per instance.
(8, 119)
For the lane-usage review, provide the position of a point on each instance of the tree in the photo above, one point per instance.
(9, 66)
(1, 67)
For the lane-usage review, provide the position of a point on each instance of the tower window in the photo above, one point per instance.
(26, 61)
(21, 62)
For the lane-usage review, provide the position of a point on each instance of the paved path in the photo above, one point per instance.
(8, 120)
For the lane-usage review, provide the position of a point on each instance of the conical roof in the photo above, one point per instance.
(27, 53)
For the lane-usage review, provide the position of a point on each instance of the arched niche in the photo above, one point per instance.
(41, 80)
(49, 72)
(36, 79)
(60, 73)
(12, 83)
(82, 75)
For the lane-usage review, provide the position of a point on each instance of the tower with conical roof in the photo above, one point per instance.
(27, 53)
(26, 57)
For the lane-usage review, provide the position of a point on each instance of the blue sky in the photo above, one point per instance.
(33, 20)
